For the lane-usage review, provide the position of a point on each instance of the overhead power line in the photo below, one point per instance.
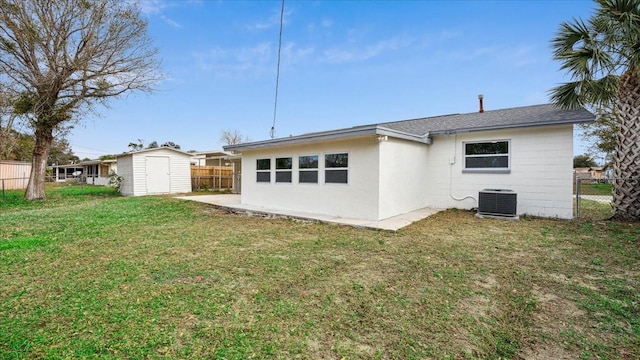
(275, 102)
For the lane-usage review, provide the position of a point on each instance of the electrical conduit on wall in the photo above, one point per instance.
(451, 163)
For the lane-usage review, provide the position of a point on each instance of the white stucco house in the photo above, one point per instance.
(377, 171)
(162, 170)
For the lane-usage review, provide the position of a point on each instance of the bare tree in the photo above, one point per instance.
(64, 57)
(7, 139)
(233, 137)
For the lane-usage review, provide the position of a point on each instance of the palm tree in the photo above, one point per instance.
(602, 55)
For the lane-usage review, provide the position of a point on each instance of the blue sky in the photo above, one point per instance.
(344, 63)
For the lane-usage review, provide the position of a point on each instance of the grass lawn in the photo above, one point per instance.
(594, 210)
(596, 189)
(88, 274)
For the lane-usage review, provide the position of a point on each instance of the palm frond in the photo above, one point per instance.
(586, 92)
(602, 91)
(620, 24)
(594, 53)
(568, 36)
(622, 11)
(566, 95)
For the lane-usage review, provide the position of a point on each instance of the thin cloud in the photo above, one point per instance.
(524, 55)
(472, 54)
(324, 23)
(292, 54)
(151, 7)
(362, 53)
(158, 8)
(252, 61)
(234, 62)
(271, 21)
(174, 24)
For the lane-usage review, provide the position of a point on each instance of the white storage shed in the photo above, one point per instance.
(154, 171)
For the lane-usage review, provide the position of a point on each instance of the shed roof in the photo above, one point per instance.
(154, 149)
(421, 129)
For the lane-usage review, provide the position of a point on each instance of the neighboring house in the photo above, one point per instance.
(215, 158)
(593, 174)
(92, 172)
(582, 173)
(14, 174)
(96, 172)
(377, 171)
(162, 170)
(68, 172)
(597, 173)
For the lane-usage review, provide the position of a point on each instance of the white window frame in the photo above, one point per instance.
(258, 171)
(324, 163)
(492, 170)
(309, 170)
(288, 170)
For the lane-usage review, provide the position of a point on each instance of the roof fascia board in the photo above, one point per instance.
(403, 135)
(312, 137)
(332, 135)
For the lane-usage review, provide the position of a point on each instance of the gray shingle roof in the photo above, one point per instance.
(526, 116)
(419, 129)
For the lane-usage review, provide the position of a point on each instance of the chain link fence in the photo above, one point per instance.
(12, 185)
(17, 185)
(594, 197)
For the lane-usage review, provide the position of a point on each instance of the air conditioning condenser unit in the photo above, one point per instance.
(498, 202)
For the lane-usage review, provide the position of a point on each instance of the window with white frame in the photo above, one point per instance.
(487, 156)
(308, 169)
(283, 170)
(336, 168)
(263, 170)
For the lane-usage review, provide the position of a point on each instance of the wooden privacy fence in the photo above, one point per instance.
(211, 177)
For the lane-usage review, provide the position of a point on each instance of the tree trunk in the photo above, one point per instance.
(626, 162)
(37, 179)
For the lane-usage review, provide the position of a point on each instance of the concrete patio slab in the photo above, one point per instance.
(232, 203)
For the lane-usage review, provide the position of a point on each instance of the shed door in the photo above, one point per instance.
(158, 176)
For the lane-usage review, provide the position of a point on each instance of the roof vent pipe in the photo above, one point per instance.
(480, 97)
